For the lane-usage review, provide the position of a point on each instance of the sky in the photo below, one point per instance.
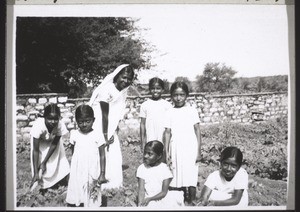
(252, 39)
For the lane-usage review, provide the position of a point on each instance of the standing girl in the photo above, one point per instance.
(183, 142)
(154, 178)
(47, 150)
(88, 160)
(108, 103)
(153, 113)
(227, 186)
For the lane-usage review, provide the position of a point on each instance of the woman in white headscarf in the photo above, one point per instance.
(108, 103)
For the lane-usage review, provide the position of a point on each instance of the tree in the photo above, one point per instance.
(246, 84)
(216, 77)
(64, 54)
(277, 83)
(261, 85)
(167, 86)
(187, 81)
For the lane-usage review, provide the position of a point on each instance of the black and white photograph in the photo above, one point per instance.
(150, 106)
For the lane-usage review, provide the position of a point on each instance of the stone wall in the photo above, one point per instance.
(212, 108)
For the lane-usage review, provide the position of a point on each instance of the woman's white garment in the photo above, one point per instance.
(85, 168)
(154, 177)
(154, 112)
(223, 189)
(107, 92)
(183, 145)
(57, 166)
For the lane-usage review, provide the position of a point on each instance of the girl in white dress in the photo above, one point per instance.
(49, 164)
(153, 112)
(154, 178)
(227, 186)
(109, 102)
(183, 142)
(88, 161)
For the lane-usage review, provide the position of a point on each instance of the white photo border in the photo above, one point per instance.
(75, 8)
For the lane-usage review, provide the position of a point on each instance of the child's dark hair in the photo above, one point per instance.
(154, 80)
(157, 146)
(127, 69)
(179, 84)
(84, 109)
(230, 152)
(51, 108)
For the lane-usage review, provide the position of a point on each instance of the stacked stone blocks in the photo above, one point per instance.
(212, 108)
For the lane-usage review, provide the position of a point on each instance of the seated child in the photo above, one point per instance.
(154, 178)
(227, 186)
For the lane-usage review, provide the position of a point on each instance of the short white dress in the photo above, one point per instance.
(184, 145)
(154, 177)
(155, 113)
(57, 167)
(223, 189)
(85, 168)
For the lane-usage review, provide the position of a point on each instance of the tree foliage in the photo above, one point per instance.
(167, 86)
(276, 83)
(216, 78)
(63, 54)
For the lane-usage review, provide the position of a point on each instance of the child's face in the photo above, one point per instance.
(123, 81)
(178, 97)
(156, 91)
(150, 157)
(52, 120)
(229, 168)
(85, 123)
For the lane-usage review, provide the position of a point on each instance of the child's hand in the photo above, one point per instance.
(34, 179)
(169, 161)
(43, 167)
(102, 179)
(145, 202)
(197, 203)
(110, 141)
(198, 159)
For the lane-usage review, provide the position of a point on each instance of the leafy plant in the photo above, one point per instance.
(264, 146)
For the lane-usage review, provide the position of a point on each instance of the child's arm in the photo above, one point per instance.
(143, 133)
(198, 135)
(35, 159)
(102, 178)
(52, 148)
(161, 194)
(205, 194)
(141, 191)
(166, 138)
(234, 200)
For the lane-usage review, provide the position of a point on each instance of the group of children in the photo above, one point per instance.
(171, 144)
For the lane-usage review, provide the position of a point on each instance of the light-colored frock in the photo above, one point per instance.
(154, 112)
(57, 167)
(154, 177)
(184, 145)
(85, 168)
(223, 189)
